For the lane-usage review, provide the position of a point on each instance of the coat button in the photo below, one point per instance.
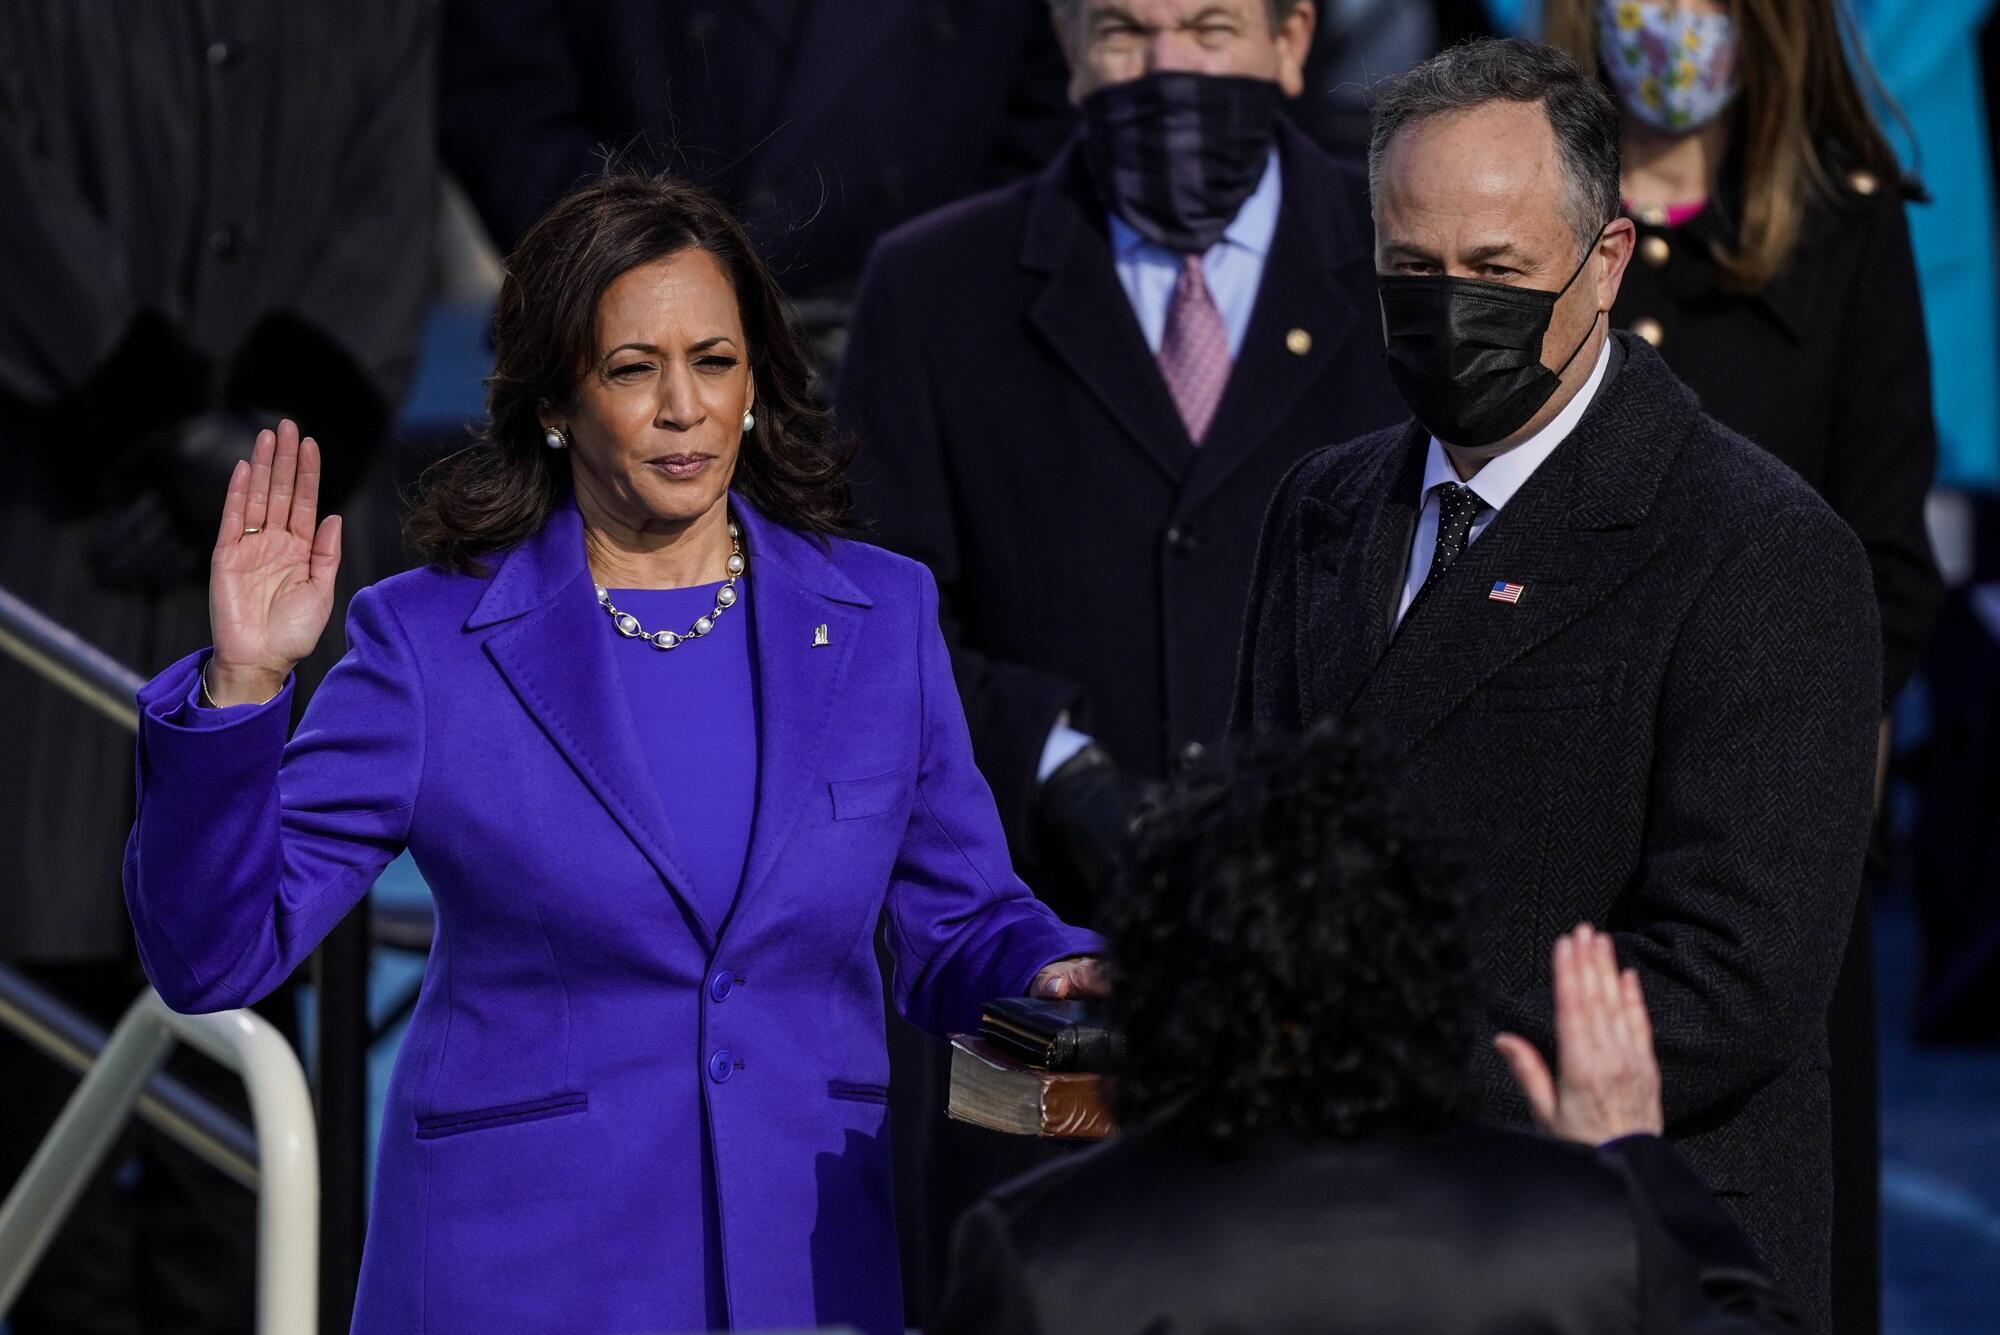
(1649, 329)
(720, 986)
(720, 1065)
(1180, 541)
(224, 241)
(219, 54)
(1191, 755)
(1655, 251)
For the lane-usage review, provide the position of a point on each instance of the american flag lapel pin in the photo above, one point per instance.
(1503, 592)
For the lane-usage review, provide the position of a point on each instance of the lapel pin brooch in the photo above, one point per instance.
(1503, 592)
(819, 637)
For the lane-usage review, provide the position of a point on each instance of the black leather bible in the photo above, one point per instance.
(1053, 1035)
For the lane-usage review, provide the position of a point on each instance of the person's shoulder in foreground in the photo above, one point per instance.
(1299, 1008)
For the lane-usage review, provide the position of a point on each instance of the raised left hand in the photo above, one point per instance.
(1076, 979)
(1607, 1080)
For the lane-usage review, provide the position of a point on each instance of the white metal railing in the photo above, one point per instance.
(115, 1085)
(287, 1157)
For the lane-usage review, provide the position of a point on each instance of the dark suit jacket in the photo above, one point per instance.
(189, 233)
(1842, 331)
(1671, 734)
(1471, 1233)
(823, 122)
(1017, 436)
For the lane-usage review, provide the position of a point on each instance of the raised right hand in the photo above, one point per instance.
(270, 593)
(1607, 1081)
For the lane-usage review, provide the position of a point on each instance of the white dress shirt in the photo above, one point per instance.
(1494, 484)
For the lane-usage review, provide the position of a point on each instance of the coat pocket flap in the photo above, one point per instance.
(504, 1114)
(1554, 686)
(855, 798)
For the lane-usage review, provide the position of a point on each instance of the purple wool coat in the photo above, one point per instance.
(592, 1063)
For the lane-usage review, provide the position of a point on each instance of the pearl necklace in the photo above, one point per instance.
(725, 598)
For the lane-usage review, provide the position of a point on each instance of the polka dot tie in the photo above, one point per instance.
(1194, 353)
(1457, 507)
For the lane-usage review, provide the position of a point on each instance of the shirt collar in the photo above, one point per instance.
(1505, 474)
(1255, 223)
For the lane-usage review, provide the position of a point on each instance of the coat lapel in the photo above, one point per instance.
(1571, 536)
(1355, 542)
(794, 589)
(1087, 319)
(557, 657)
(1300, 294)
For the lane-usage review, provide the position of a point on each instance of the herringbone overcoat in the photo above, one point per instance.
(1670, 734)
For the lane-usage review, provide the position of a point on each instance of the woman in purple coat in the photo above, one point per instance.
(666, 749)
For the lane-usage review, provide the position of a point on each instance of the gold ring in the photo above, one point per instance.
(248, 531)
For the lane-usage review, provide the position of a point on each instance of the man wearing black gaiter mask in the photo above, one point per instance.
(1074, 396)
(1629, 659)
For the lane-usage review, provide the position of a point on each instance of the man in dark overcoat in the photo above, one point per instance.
(1630, 661)
(1072, 398)
(1020, 392)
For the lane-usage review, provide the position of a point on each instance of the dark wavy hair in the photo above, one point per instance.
(505, 486)
(1290, 955)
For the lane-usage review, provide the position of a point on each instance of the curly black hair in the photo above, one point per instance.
(1290, 953)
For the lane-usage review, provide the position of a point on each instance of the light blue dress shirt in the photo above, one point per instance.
(1234, 267)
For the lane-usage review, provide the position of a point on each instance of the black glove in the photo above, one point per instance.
(161, 533)
(166, 494)
(1086, 810)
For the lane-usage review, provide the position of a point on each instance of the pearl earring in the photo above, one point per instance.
(749, 421)
(555, 439)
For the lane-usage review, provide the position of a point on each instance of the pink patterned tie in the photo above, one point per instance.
(1194, 353)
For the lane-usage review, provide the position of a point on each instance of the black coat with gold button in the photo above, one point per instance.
(1826, 367)
(1018, 437)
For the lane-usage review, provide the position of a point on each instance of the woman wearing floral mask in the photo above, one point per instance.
(1773, 272)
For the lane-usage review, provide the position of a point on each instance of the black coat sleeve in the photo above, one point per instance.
(67, 312)
(1763, 777)
(888, 398)
(1698, 1273)
(987, 1293)
(368, 282)
(1266, 698)
(1881, 467)
(513, 121)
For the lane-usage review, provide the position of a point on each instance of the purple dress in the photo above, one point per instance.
(600, 1060)
(694, 711)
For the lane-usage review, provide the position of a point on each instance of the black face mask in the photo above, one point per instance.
(1176, 154)
(1467, 354)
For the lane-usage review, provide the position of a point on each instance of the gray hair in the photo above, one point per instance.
(1511, 70)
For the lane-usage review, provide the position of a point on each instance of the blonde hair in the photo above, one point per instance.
(1801, 120)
